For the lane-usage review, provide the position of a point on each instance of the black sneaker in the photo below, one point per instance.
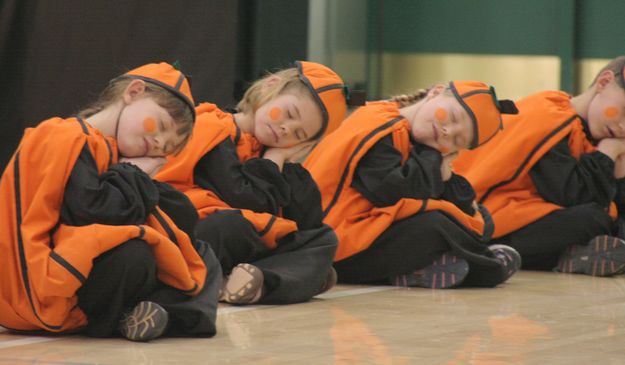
(145, 322)
(447, 271)
(509, 257)
(602, 256)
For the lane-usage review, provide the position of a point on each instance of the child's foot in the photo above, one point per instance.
(447, 271)
(602, 256)
(145, 322)
(244, 285)
(329, 282)
(509, 257)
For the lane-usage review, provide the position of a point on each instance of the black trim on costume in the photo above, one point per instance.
(85, 130)
(315, 95)
(108, 146)
(489, 223)
(20, 241)
(464, 105)
(176, 92)
(141, 232)
(179, 82)
(190, 290)
(528, 158)
(61, 261)
(475, 92)
(351, 158)
(329, 87)
(165, 226)
(423, 206)
(237, 135)
(268, 226)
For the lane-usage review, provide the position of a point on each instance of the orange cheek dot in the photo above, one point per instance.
(440, 115)
(149, 125)
(443, 150)
(275, 113)
(610, 112)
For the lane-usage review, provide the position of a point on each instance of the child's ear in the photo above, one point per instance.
(134, 89)
(436, 90)
(270, 82)
(603, 80)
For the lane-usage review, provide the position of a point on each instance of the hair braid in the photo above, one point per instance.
(409, 99)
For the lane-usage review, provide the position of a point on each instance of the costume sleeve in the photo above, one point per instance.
(305, 201)
(122, 195)
(382, 178)
(256, 184)
(563, 180)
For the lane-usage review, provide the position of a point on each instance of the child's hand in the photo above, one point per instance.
(149, 165)
(613, 147)
(301, 153)
(288, 154)
(446, 168)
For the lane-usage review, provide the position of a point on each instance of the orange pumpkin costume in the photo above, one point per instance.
(221, 171)
(46, 259)
(499, 171)
(375, 143)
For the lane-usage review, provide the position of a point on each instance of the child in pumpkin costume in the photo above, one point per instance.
(260, 212)
(86, 246)
(553, 178)
(389, 193)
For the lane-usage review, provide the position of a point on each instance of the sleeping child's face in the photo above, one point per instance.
(146, 129)
(606, 112)
(287, 120)
(443, 124)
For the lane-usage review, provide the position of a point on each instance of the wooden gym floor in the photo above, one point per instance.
(535, 318)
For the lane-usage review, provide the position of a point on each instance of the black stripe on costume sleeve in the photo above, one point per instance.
(268, 226)
(85, 130)
(20, 241)
(527, 159)
(61, 261)
(341, 183)
(166, 227)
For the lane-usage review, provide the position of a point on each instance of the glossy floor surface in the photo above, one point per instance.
(535, 318)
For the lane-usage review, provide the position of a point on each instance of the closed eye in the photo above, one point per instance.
(298, 135)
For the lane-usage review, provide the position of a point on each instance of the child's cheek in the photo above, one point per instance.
(149, 125)
(275, 114)
(611, 112)
(440, 115)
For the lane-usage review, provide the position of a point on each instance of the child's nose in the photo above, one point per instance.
(285, 128)
(158, 142)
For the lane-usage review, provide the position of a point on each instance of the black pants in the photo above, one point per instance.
(126, 275)
(294, 272)
(414, 243)
(541, 242)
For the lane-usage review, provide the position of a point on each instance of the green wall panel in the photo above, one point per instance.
(457, 26)
(600, 28)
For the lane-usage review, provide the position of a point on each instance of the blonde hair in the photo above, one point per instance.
(177, 109)
(257, 95)
(616, 66)
(408, 99)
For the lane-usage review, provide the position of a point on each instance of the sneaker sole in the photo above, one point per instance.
(512, 262)
(447, 271)
(243, 285)
(145, 322)
(603, 256)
